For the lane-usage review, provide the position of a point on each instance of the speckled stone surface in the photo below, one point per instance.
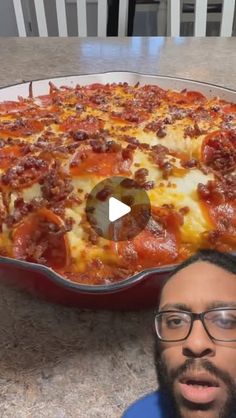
(59, 362)
(204, 59)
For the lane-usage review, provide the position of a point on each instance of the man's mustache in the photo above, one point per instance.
(193, 365)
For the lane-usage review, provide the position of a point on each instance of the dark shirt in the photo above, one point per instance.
(154, 405)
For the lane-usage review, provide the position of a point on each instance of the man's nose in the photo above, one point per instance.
(198, 344)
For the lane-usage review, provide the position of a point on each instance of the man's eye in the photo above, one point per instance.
(226, 323)
(175, 322)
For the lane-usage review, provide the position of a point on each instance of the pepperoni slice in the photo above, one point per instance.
(90, 125)
(41, 238)
(45, 100)
(11, 106)
(28, 171)
(50, 100)
(9, 154)
(98, 86)
(158, 244)
(94, 95)
(229, 108)
(21, 128)
(103, 164)
(218, 203)
(130, 116)
(195, 96)
(219, 151)
(219, 197)
(226, 107)
(147, 89)
(185, 97)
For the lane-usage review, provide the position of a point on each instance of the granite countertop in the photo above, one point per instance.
(60, 362)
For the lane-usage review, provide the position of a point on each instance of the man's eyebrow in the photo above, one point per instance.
(178, 306)
(183, 307)
(221, 304)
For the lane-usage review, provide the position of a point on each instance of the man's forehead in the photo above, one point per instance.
(200, 283)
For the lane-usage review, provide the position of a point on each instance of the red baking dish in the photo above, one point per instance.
(137, 292)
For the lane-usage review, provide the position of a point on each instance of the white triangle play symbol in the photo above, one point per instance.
(117, 209)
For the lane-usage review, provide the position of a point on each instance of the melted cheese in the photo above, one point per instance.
(181, 192)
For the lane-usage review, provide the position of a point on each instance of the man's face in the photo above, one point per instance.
(199, 373)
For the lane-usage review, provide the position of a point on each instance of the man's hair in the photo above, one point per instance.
(224, 260)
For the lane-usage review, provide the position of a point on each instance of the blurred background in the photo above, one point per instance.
(143, 17)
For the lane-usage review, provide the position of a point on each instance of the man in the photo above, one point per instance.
(196, 346)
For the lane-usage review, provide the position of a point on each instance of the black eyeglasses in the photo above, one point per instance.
(173, 326)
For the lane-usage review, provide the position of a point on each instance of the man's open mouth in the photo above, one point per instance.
(199, 387)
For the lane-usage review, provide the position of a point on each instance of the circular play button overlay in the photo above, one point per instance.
(118, 208)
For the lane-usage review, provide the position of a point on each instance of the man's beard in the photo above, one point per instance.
(167, 378)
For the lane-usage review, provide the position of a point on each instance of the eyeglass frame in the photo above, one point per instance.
(194, 317)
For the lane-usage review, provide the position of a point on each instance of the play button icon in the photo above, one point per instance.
(118, 208)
